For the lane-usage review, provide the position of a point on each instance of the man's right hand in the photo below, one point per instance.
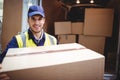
(3, 76)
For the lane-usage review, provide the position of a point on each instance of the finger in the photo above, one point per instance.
(4, 77)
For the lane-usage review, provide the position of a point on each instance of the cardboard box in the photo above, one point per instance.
(98, 21)
(59, 62)
(12, 17)
(96, 43)
(62, 27)
(77, 27)
(63, 39)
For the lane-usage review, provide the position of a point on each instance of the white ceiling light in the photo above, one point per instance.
(77, 1)
(91, 1)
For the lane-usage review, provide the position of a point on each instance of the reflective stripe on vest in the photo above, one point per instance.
(24, 41)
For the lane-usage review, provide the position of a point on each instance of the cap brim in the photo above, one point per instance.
(35, 13)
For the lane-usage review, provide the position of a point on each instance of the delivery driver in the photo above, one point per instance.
(35, 35)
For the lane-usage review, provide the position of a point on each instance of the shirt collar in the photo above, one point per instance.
(31, 36)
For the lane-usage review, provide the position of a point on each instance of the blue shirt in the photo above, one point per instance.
(13, 43)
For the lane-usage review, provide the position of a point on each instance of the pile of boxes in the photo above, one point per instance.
(97, 25)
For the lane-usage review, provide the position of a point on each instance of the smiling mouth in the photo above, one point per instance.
(36, 26)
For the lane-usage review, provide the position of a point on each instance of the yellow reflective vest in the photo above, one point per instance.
(24, 41)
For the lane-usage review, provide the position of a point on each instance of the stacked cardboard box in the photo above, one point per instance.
(63, 27)
(62, 39)
(58, 62)
(63, 30)
(95, 43)
(97, 25)
(67, 31)
(77, 27)
(98, 22)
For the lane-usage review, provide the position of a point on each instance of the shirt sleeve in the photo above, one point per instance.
(12, 44)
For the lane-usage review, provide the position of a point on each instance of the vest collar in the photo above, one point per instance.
(31, 36)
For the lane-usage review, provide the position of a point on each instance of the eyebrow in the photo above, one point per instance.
(33, 18)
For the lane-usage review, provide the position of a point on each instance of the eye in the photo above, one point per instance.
(33, 18)
(40, 18)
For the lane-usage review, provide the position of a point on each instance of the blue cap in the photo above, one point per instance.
(34, 9)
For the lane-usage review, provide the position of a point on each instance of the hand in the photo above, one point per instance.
(3, 76)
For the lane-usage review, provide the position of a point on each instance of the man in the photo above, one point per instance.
(35, 36)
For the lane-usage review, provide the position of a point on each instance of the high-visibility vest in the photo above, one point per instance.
(24, 41)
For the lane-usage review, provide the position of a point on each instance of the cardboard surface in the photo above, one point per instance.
(12, 20)
(98, 21)
(63, 39)
(77, 27)
(96, 43)
(43, 49)
(65, 64)
(62, 27)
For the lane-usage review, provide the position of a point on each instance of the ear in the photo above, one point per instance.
(43, 20)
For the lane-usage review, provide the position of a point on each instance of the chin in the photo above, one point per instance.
(37, 31)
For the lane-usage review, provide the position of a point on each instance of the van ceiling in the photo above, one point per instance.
(99, 2)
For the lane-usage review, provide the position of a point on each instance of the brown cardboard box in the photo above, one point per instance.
(95, 43)
(62, 27)
(77, 27)
(66, 39)
(12, 20)
(59, 62)
(98, 21)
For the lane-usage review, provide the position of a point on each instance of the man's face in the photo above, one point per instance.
(36, 23)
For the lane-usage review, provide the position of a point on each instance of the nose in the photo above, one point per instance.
(37, 21)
